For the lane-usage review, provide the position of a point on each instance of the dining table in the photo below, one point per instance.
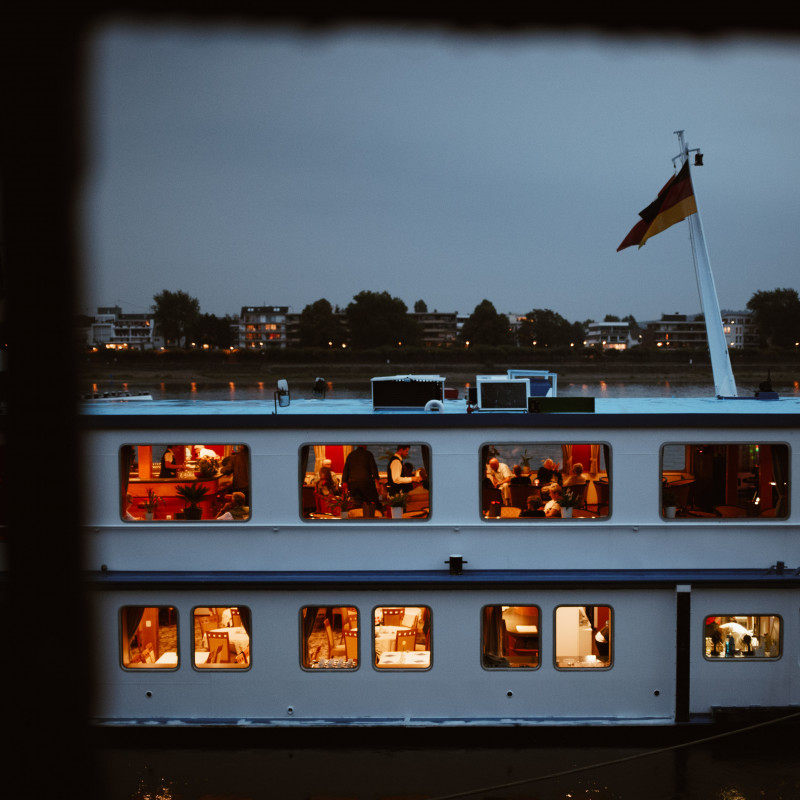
(405, 659)
(386, 637)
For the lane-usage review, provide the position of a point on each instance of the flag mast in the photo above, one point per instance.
(724, 382)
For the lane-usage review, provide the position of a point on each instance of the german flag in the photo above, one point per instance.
(674, 203)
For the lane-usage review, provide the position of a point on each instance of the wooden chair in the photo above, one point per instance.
(219, 648)
(520, 494)
(207, 624)
(236, 618)
(418, 502)
(405, 640)
(351, 645)
(334, 650)
(393, 616)
(489, 495)
(603, 491)
(578, 491)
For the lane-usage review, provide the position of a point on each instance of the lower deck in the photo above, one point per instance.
(411, 656)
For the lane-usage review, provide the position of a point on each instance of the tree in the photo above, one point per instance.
(547, 328)
(777, 316)
(420, 307)
(215, 331)
(319, 326)
(485, 326)
(378, 320)
(175, 314)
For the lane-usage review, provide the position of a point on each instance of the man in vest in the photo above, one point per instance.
(396, 482)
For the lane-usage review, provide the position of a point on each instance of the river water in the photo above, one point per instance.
(518, 764)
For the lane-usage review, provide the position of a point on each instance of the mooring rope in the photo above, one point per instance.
(622, 760)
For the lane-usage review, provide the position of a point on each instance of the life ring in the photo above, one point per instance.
(434, 405)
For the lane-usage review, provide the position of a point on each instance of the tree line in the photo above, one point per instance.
(374, 320)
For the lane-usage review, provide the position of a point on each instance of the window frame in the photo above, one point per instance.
(510, 667)
(741, 658)
(121, 628)
(577, 667)
(229, 667)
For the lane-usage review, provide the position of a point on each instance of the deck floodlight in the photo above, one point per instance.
(698, 159)
(319, 387)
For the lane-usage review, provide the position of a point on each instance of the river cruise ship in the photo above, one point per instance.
(495, 556)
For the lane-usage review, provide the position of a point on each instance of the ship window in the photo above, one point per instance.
(535, 481)
(149, 637)
(510, 636)
(583, 637)
(710, 481)
(222, 637)
(329, 637)
(185, 481)
(402, 637)
(335, 481)
(742, 636)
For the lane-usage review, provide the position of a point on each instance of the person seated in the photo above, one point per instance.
(552, 507)
(129, 504)
(575, 477)
(548, 472)
(534, 507)
(327, 483)
(235, 508)
(422, 474)
(519, 479)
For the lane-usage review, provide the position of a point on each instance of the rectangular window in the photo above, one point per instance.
(534, 480)
(725, 480)
(386, 481)
(402, 637)
(149, 637)
(583, 637)
(742, 636)
(329, 637)
(184, 482)
(222, 637)
(510, 636)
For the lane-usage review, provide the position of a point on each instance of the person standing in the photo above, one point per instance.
(360, 477)
(396, 481)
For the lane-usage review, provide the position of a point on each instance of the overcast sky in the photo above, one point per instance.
(276, 167)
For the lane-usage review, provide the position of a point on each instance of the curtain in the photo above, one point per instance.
(133, 616)
(780, 470)
(125, 463)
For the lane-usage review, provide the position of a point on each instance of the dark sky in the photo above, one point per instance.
(277, 167)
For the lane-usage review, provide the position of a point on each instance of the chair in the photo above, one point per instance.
(351, 645)
(405, 640)
(236, 618)
(490, 495)
(520, 494)
(309, 500)
(393, 616)
(578, 491)
(219, 648)
(334, 650)
(207, 624)
(518, 644)
(418, 502)
(602, 490)
(681, 491)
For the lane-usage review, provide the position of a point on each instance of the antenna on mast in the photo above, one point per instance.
(724, 382)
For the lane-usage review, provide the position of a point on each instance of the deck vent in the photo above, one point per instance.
(406, 391)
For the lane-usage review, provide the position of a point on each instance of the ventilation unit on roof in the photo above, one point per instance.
(498, 393)
(406, 391)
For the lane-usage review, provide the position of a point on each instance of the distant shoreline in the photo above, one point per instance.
(142, 376)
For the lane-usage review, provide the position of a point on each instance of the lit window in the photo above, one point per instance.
(402, 637)
(386, 481)
(583, 637)
(534, 480)
(329, 637)
(185, 482)
(149, 637)
(510, 636)
(742, 636)
(704, 481)
(222, 637)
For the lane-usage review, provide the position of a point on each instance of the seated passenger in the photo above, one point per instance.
(576, 476)
(519, 479)
(235, 508)
(128, 515)
(548, 472)
(534, 508)
(327, 483)
(553, 508)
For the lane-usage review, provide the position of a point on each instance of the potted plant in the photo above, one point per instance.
(397, 504)
(568, 501)
(150, 504)
(338, 502)
(669, 502)
(525, 461)
(192, 493)
(206, 467)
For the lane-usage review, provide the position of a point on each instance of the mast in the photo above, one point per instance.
(724, 382)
